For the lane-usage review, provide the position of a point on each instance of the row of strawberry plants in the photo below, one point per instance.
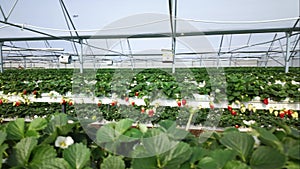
(63, 142)
(242, 84)
(153, 115)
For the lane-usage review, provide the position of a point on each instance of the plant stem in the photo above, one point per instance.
(189, 121)
(158, 162)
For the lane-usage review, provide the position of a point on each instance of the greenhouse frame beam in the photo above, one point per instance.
(293, 52)
(10, 11)
(68, 17)
(147, 35)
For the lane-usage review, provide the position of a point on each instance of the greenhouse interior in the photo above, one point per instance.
(150, 84)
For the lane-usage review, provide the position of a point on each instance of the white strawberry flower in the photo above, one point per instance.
(70, 121)
(295, 83)
(202, 84)
(280, 82)
(249, 123)
(63, 142)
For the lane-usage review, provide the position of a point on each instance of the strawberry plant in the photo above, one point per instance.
(61, 142)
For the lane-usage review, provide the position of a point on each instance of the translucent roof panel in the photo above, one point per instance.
(143, 28)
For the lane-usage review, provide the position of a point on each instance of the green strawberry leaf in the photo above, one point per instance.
(242, 143)
(2, 149)
(38, 124)
(114, 162)
(57, 163)
(222, 156)
(2, 137)
(234, 164)
(22, 152)
(294, 152)
(77, 155)
(176, 156)
(207, 163)
(268, 138)
(43, 153)
(267, 158)
(16, 129)
(123, 125)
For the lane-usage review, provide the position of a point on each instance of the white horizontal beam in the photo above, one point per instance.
(31, 49)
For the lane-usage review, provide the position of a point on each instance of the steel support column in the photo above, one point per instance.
(130, 54)
(219, 52)
(270, 48)
(1, 58)
(173, 22)
(24, 62)
(288, 53)
(81, 56)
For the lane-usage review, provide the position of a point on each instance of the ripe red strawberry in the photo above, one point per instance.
(142, 110)
(136, 94)
(290, 112)
(34, 92)
(233, 113)
(126, 99)
(183, 101)
(281, 115)
(113, 103)
(99, 103)
(179, 103)
(24, 91)
(229, 108)
(63, 101)
(18, 103)
(1, 102)
(266, 101)
(132, 103)
(150, 113)
(236, 126)
(211, 105)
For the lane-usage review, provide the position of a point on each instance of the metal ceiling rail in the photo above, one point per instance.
(150, 35)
